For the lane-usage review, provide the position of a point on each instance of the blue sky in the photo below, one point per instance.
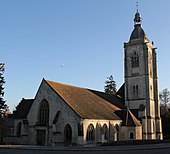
(86, 36)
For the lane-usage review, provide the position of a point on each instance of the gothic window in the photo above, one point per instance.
(43, 117)
(98, 132)
(18, 133)
(117, 131)
(135, 60)
(90, 133)
(67, 134)
(135, 91)
(105, 132)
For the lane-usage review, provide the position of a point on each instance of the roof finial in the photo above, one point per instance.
(137, 5)
(138, 18)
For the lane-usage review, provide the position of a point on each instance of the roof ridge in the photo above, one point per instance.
(64, 84)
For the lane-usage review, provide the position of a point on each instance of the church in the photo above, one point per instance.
(62, 113)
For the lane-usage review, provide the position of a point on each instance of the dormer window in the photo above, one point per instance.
(135, 60)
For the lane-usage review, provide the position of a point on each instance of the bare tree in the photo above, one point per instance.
(164, 96)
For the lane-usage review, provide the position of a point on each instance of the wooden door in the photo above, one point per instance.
(41, 136)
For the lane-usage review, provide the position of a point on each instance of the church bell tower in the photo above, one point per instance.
(141, 81)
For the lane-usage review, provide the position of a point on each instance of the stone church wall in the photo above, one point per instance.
(67, 116)
(127, 130)
(98, 129)
(20, 132)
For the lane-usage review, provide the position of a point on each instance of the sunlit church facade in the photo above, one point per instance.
(62, 113)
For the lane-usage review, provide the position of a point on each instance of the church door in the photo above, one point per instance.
(41, 135)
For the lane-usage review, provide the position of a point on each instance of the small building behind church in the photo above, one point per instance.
(62, 113)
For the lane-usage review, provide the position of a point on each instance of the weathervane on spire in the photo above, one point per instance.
(137, 5)
(138, 18)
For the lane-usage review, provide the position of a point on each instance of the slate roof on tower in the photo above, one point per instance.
(138, 32)
(84, 102)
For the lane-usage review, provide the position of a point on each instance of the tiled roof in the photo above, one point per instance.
(121, 92)
(115, 100)
(84, 102)
(135, 113)
(128, 118)
(23, 108)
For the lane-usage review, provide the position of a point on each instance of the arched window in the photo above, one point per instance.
(43, 117)
(98, 132)
(135, 91)
(131, 135)
(18, 133)
(90, 133)
(117, 131)
(135, 60)
(105, 132)
(67, 134)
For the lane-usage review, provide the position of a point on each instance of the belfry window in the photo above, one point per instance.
(135, 91)
(135, 60)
